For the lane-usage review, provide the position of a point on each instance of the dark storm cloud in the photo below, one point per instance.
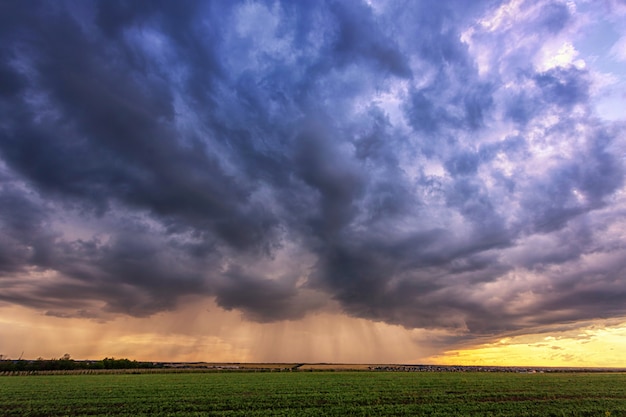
(264, 300)
(564, 87)
(553, 16)
(358, 37)
(274, 154)
(25, 237)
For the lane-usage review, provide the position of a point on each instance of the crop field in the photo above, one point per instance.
(340, 393)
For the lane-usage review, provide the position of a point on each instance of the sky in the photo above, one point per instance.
(377, 181)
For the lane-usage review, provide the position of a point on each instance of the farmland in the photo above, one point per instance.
(339, 393)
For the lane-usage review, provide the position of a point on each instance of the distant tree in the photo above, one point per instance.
(67, 363)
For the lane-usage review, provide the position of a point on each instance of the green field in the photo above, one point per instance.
(314, 394)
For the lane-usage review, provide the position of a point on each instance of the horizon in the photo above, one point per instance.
(305, 366)
(336, 182)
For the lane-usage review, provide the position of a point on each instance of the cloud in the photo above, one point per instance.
(618, 50)
(420, 166)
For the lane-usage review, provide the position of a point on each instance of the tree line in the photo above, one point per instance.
(66, 363)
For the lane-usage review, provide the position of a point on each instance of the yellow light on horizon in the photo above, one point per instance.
(593, 345)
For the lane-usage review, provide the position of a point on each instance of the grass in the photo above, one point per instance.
(315, 393)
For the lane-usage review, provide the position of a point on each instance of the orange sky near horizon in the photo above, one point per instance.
(216, 335)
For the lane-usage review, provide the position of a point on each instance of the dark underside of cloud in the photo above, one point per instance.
(276, 155)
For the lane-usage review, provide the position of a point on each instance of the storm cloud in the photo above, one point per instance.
(422, 164)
